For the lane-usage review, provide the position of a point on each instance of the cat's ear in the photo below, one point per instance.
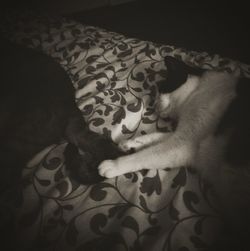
(177, 74)
(177, 66)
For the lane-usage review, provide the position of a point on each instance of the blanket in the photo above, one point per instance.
(115, 79)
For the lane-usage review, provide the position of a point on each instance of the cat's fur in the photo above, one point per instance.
(198, 106)
(212, 135)
(37, 109)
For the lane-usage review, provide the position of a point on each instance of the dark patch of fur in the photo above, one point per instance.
(37, 108)
(177, 73)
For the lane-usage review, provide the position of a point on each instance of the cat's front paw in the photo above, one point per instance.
(82, 165)
(130, 146)
(107, 169)
(165, 106)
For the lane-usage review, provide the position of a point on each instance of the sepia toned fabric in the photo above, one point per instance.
(115, 81)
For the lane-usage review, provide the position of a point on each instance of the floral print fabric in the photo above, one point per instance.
(115, 80)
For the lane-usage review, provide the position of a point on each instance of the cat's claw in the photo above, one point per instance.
(107, 169)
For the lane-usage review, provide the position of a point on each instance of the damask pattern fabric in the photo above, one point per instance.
(115, 81)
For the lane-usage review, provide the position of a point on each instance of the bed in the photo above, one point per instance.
(115, 80)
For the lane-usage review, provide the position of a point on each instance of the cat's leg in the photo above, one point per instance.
(171, 153)
(86, 149)
(78, 133)
(141, 142)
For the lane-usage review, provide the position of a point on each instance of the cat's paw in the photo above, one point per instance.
(165, 106)
(82, 165)
(107, 169)
(130, 145)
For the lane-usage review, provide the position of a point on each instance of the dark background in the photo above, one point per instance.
(197, 25)
(211, 26)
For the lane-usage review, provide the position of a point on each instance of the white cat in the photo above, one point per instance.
(198, 106)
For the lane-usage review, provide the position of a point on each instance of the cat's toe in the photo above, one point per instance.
(107, 169)
(124, 146)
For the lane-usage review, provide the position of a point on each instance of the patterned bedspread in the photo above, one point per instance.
(115, 80)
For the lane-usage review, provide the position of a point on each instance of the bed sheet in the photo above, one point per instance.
(115, 80)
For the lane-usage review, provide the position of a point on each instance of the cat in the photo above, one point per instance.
(197, 105)
(37, 109)
(212, 134)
